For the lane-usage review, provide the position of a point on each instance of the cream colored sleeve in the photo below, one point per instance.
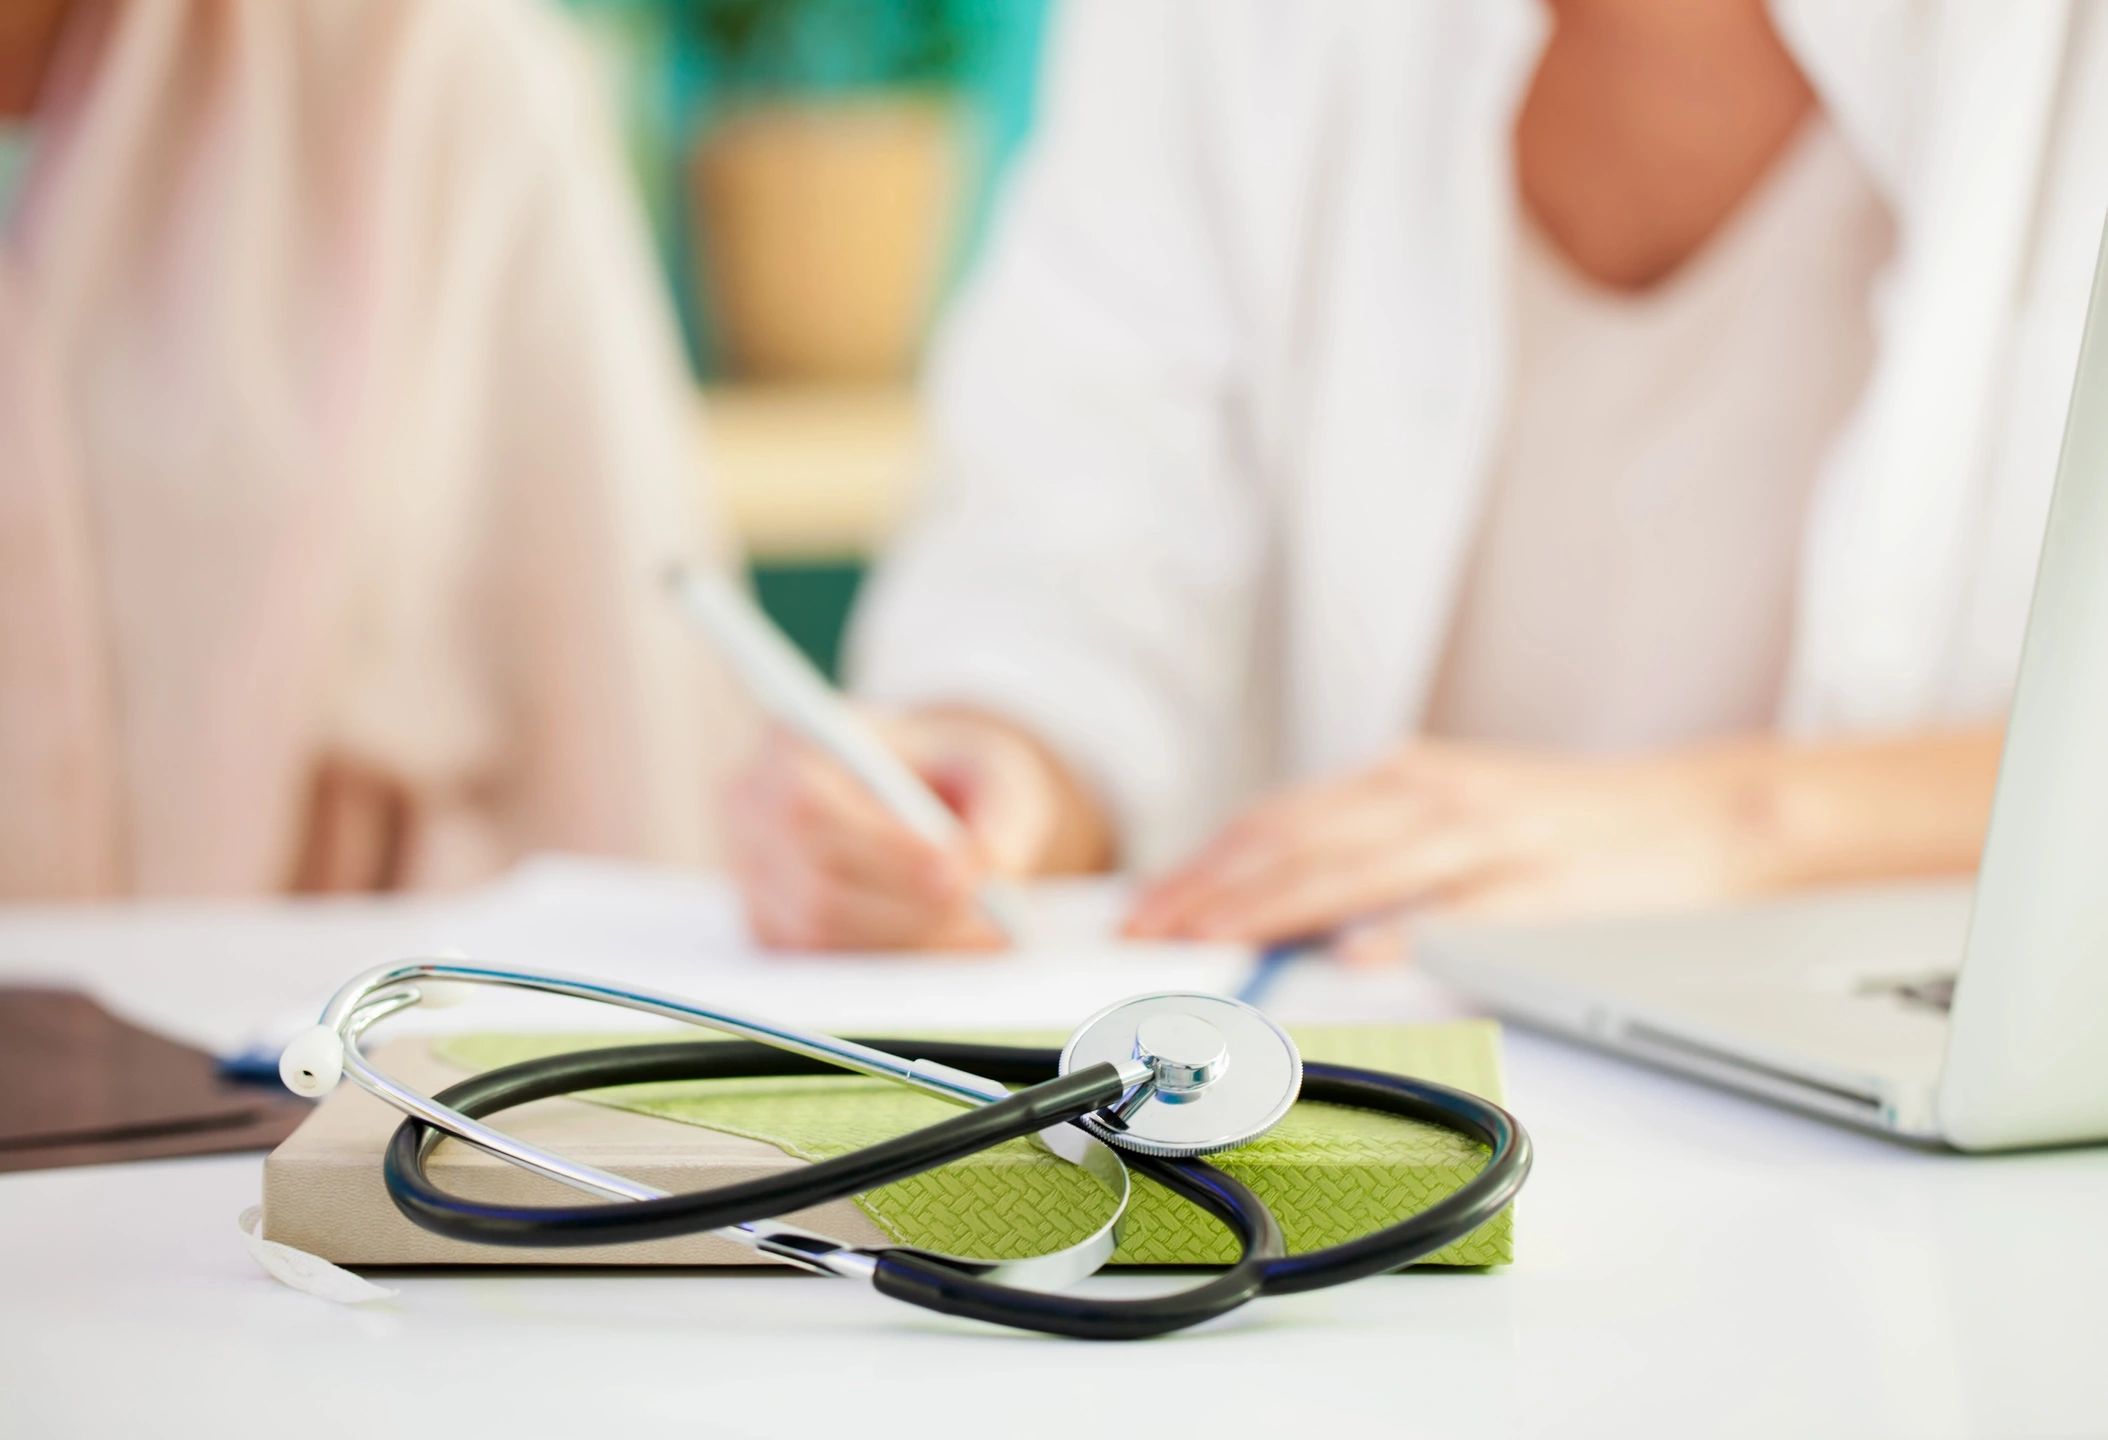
(1086, 563)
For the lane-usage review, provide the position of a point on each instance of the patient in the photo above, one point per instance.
(341, 431)
(1503, 458)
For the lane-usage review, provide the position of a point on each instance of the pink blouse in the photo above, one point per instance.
(342, 433)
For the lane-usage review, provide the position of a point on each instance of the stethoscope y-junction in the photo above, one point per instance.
(1149, 1085)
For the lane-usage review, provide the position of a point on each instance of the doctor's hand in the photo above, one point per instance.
(1466, 828)
(1502, 832)
(821, 865)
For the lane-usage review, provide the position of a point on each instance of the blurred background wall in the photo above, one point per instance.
(817, 172)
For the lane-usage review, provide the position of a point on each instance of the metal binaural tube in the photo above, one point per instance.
(387, 989)
(954, 1085)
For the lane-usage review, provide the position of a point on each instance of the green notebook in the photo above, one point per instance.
(1328, 1172)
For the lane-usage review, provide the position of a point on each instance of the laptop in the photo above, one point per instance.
(1975, 1017)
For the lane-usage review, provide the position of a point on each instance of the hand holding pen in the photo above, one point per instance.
(821, 864)
(847, 833)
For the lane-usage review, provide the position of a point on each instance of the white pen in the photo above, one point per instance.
(792, 691)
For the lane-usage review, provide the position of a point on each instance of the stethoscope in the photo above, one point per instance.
(1149, 1084)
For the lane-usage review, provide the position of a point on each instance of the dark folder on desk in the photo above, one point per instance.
(79, 1086)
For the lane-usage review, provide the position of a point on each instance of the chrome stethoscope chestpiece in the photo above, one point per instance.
(1222, 1073)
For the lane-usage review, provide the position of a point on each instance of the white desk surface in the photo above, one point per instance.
(1690, 1263)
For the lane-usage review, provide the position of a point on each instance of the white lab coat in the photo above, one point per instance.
(1216, 416)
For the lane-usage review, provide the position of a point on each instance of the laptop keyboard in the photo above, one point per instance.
(1928, 992)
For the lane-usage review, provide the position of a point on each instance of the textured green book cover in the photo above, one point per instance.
(1329, 1173)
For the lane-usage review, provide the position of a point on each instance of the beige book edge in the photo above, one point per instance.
(323, 1191)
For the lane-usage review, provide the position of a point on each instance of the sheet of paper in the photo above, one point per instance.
(681, 933)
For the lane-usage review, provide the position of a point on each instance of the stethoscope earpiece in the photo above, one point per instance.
(314, 1063)
(1222, 1073)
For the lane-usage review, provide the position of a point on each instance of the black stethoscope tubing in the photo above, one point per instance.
(934, 1282)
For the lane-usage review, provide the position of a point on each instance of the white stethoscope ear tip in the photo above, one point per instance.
(314, 1063)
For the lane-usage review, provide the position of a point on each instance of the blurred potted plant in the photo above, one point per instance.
(826, 180)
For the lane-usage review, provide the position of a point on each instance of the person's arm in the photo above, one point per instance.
(1874, 809)
(1446, 827)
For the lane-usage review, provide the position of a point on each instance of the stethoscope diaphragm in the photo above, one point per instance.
(1222, 1073)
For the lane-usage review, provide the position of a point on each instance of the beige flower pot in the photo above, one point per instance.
(824, 229)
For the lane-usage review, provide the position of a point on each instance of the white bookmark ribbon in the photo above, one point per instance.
(310, 1274)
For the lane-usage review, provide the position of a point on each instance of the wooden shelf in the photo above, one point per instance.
(811, 474)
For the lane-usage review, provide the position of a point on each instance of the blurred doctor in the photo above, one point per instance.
(341, 428)
(1506, 456)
